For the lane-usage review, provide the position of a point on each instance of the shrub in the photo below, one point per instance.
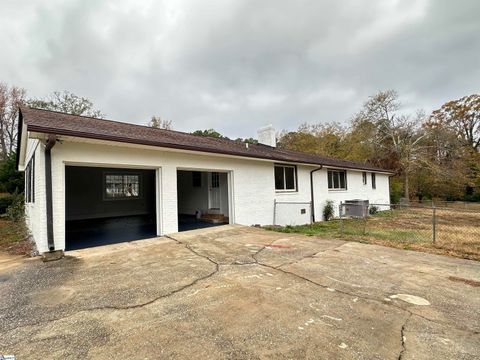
(372, 210)
(16, 210)
(5, 202)
(396, 190)
(328, 211)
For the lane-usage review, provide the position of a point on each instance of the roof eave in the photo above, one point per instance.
(41, 129)
(22, 139)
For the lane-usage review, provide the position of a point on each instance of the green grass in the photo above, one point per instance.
(356, 229)
(11, 232)
(330, 228)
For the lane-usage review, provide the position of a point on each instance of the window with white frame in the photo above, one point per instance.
(122, 186)
(30, 181)
(337, 180)
(285, 178)
(374, 181)
(364, 178)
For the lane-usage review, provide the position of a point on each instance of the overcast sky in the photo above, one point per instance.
(236, 65)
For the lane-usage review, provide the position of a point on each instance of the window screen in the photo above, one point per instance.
(121, 186)
(337, 180)
(30, 181)
(285, 178)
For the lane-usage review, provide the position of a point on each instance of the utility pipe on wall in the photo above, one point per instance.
(51, 141)
(312, 192)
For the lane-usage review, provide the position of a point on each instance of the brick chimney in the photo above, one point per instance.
(266, 136)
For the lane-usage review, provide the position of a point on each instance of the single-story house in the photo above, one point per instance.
(91, 181)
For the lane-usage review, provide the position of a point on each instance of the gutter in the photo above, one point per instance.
(52, 139)
(312, 192)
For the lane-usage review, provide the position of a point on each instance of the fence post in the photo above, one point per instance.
(340, 216)
(274, 211)
(365, 218)
(434, 227)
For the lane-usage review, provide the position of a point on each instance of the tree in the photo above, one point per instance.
(10, 100)
(209, 133)
(249, 140)
(399, 136)
(461, 120)
(320, 139)
(67, 102)
(158, 123)
(11, 180)
(463, 117)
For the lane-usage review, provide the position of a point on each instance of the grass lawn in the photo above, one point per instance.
(457, 233)
(13, 237)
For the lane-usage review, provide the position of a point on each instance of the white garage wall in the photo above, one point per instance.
(252, 181)
(251, 185)
(35, 212)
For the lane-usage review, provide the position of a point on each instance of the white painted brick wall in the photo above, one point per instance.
(252, 185)
(35, 213)
(355, 190)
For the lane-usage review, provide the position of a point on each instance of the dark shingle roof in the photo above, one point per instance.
(52, 122)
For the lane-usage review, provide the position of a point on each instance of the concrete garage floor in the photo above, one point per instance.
(241, 293)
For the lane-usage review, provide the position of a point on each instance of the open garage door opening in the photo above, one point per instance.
(108, 205)
(203, 199)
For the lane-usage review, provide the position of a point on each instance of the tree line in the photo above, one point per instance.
(433, 155)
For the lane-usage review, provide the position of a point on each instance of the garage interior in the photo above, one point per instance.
(108, 205)
(202, 199)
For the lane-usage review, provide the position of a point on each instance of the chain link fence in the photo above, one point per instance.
(450, 228)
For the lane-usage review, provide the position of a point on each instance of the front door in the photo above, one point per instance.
(214, 191)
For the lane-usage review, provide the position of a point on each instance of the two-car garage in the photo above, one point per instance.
(112, 205)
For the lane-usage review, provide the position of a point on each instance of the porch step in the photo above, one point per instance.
(213, 218)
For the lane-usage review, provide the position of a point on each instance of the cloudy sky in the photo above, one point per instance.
(236, 65)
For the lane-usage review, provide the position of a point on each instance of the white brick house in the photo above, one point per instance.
(92, 181)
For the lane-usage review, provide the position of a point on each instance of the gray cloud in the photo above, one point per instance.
(237, 65)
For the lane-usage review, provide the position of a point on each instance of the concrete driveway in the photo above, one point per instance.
(241, 293)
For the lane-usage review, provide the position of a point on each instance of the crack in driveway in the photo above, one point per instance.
(403, 339)
(213, 265)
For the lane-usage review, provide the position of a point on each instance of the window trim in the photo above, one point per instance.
(30, 181)
(120, 173)
(333, 184)
(295, 178)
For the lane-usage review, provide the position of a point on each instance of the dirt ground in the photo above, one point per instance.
(235, 292)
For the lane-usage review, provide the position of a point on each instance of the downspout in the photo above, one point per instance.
(52, 139)
(311, 192)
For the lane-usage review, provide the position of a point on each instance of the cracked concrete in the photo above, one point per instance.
(243, 293)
